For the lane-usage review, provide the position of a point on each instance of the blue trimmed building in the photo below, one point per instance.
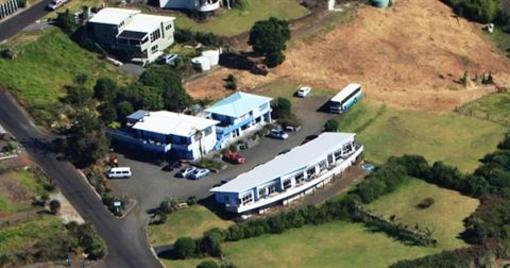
(238, 114)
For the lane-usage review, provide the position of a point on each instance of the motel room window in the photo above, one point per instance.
(271, 189)
(310, 172)
(322, 165)
(300, 178)
(287, 184)
(338, 155)
(247, 199)
(262, 192)
(330, 159)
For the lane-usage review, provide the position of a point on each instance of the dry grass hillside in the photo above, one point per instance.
(408, 56)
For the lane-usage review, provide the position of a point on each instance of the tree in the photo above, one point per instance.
(282, 108)
(124, 108)
(66, 22)
(268, 38)
(184, 247)
(208, 264)
(79, 95)
(168, 83)
(54, 206)
(108, 113)
(331, 126)
(105, 89)
(86, 141)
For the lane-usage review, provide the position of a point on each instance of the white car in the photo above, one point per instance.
(278, 134)
(303, 91)
(169, 59)
(185, 172)
(119, 172)
(56, 4)
(199, 173)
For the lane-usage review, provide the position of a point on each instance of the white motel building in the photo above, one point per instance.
(291, 175)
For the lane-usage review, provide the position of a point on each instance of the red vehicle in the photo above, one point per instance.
(234, 157)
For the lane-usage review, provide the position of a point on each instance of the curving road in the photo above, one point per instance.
(18, 22)
(126, 240)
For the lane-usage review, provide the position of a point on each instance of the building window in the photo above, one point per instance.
(168, 27)
(145, 39)
(154, 48)
(208, 131)
(287, 184)
(338, 155)
(155, 35)
(262, 192)
(300, 178)
(310, 172)
(247, 199)
(271, 189)
(322, 165)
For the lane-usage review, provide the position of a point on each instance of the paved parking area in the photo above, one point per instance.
(150, 184)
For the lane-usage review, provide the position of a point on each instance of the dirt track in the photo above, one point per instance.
(407, 56)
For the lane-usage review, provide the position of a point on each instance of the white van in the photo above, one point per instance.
(119, 172)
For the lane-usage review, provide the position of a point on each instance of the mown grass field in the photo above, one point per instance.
(236, 21)
(343, 244)
(444, 217)
(192, 221)
(455, 139)
(24, 235)
(47, 62)
(22, 182)
(494, 107)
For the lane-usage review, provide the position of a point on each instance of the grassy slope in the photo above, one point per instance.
(26, 180)
(22, 236)
(46, 63)
(237, 21)
(493, 107)
(342, 244)
(444, 217)
(457, 140)
(192, 221)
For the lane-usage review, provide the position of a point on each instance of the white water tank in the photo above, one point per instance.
(213, 56)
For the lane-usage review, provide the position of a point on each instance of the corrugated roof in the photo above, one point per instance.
(166, 123)
(146, 23)
(238, 104)
(345, 92)
(298, 158)
(112, 15)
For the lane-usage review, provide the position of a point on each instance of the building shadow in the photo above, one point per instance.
(217, 209)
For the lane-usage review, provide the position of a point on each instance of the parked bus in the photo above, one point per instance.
(346, 98)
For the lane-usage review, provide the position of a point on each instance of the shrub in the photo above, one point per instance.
(425, 203)
(331, 126)
(282, 108)
(208, 264)
(184, 247)
(54, 206)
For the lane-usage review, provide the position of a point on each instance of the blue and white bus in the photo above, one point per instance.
(346, 98)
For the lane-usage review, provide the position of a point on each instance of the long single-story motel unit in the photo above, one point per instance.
(168, 133)
(291, 175)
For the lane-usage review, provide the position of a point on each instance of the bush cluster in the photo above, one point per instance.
(483, 11)
(98, 181)
(206, 39)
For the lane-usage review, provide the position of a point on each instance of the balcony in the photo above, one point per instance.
(222, 131)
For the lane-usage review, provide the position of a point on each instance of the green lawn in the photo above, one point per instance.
(236, 21)
(443, 218)
(47, 62)
(343, 244)
(23, 181)
(23, 235)
(457, 140)
(494, 107)
(192, 221)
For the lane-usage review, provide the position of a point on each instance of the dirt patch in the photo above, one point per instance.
(12, 189)
(407, 56)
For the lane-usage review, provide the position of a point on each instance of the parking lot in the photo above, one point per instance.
(150, 184)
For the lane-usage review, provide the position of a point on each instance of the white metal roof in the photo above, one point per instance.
(164, 122)
(297, 158)
(345, 92)
(112, 15)
(146, 23)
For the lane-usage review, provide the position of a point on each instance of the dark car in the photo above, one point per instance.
(172, 166)
(309, 138)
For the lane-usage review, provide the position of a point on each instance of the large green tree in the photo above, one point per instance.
(169, 85)
(268, 38)
(86, 141)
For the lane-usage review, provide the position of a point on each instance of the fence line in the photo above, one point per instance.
(7, 8)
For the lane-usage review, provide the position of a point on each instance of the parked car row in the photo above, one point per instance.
(193, 173)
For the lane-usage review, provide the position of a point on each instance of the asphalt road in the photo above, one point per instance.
(126, 240)
(13, 25)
